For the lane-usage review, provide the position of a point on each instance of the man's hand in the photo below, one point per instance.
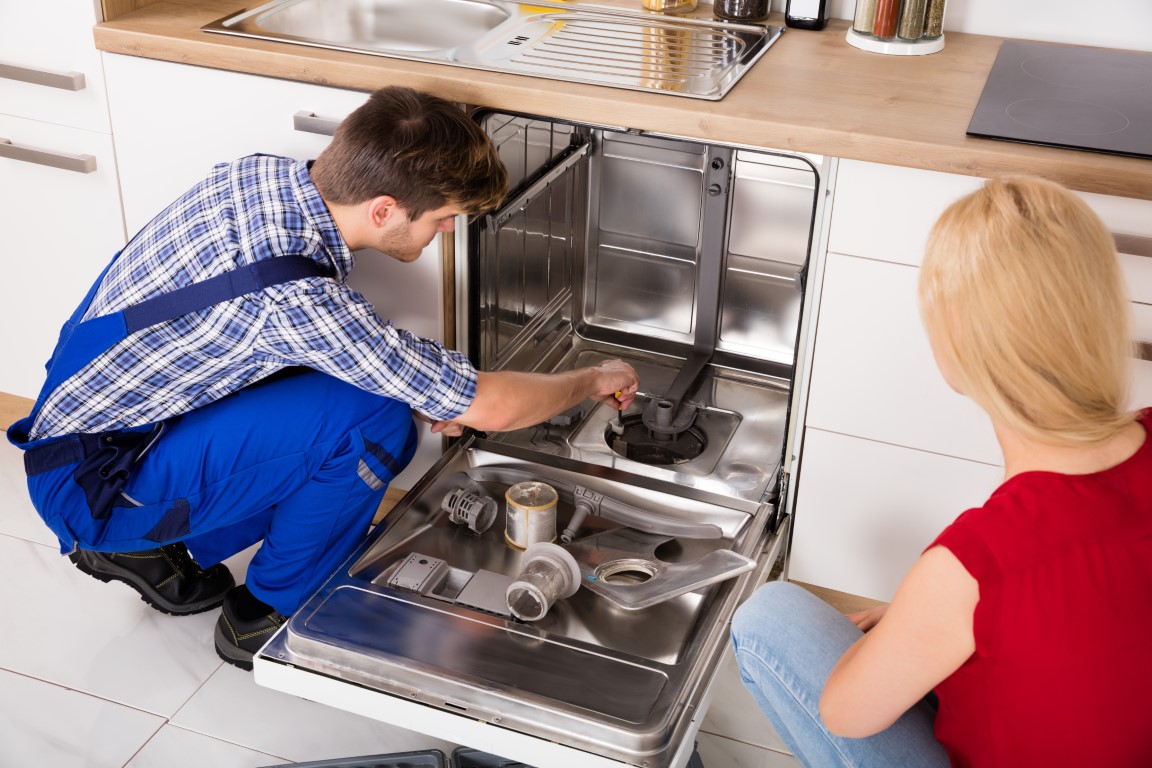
(616, 376)
(447, 428)
(508, 400)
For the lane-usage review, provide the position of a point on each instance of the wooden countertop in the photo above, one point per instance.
(811, 92)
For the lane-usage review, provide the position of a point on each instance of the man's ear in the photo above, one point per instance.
(382, 209)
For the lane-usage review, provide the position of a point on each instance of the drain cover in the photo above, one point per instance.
(639, 443)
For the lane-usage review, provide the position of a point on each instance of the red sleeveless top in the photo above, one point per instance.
(1062, 673)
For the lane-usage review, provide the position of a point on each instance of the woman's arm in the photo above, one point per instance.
(926, 634)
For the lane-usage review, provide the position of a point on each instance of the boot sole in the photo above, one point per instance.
(149, 596)
(234, 655)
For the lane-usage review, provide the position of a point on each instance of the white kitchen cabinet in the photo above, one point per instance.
(873, 374)
(867, 510)
(891, 454)
(173, 122)
(49, 67)
(60, 216)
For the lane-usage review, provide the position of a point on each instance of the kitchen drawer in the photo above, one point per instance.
(50, 43)
(873, 373)
(886, 213)
(866, 510)
(58, 228)
(186, 119)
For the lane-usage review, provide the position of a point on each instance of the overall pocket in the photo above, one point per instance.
(110, 458)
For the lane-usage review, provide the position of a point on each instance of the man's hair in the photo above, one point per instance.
(417, 148)
(1025, 305)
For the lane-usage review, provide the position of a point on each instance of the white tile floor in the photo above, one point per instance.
(91, 677)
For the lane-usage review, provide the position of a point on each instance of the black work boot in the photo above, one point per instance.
(168, 579)
(245, 624)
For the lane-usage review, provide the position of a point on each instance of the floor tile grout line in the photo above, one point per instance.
(748, 743)
(53, 547)
(81, 692)
(147, 741)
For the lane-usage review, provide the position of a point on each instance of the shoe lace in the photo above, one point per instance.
(181, 559)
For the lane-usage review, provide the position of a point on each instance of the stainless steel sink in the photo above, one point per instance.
(382, 25)
(557, 40)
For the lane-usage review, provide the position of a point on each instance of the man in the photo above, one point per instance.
(221, 385)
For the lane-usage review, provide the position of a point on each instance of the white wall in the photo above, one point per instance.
(1105, 23)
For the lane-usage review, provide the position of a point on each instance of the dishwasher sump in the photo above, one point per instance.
(687, 261)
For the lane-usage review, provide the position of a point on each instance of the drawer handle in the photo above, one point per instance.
(78, 163)
(1143, 351)
(309, 123)
(68, 81)
(1134, 245)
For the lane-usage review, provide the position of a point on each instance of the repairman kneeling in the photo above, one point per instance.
(221, 385)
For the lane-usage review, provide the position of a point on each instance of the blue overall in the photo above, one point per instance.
(299, 460)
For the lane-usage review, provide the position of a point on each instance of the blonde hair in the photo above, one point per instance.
(1023, 300)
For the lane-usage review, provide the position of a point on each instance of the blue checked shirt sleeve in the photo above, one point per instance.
(324, 325)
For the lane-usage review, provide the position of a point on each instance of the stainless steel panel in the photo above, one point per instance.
(617, 682)
(641, 292)
(772, 200)
(651, 191)
(384, 25)
(761, 310)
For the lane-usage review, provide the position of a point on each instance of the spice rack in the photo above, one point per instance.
(898, 27)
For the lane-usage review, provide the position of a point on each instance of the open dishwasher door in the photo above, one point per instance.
(688, 261)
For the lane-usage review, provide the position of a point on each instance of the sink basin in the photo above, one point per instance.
(584, 43)
(384, 25)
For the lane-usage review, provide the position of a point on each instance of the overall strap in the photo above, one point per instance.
(82, 342)
(215, 290)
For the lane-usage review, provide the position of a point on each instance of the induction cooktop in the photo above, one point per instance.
(1074, 97)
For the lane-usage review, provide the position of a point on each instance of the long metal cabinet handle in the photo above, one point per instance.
(309, 123)
(1133, 244)
(78, 163)
(68, 81)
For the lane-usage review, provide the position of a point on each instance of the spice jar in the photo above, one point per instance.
(902, 27)
(742, 10)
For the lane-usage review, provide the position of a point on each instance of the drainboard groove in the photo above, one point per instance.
(653, 52)
(671, 52)
(651, 72)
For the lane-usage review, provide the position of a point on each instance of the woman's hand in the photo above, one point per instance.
(868, 618)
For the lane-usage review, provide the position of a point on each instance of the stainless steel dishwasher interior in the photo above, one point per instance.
(610, 245)
(617, 47)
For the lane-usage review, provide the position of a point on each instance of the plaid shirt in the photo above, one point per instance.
(258, 207)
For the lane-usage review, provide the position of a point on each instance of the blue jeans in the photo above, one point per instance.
(787, 641)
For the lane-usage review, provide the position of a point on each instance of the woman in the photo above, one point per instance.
(1030, 617)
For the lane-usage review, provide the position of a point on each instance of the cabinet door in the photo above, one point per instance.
(58, 228)
(865, 510)
(173, 122)
(44, 46)
(883, 212)
(873, 373)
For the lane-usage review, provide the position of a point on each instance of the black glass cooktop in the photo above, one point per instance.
(1068, 96)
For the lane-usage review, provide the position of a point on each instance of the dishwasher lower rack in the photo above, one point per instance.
(589, 685)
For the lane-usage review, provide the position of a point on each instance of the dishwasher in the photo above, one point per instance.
(690, 261)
